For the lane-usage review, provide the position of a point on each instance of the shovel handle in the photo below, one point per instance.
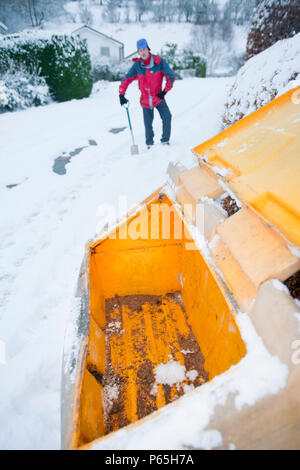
(126, 106)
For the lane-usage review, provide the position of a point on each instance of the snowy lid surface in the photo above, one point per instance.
(262, 153)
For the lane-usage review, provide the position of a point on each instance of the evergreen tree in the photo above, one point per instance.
(86, 15)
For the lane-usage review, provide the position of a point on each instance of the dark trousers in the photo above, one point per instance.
(166, 118)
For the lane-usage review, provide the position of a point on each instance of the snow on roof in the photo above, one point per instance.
(96, 32)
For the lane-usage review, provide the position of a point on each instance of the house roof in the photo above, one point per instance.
(97, 32)
(133, 54)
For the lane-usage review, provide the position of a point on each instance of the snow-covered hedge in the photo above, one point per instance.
(67, 67)
(105, 69)
(263, 78)
(20, 90)
(63, 61)
(184, 60)
(273, 20)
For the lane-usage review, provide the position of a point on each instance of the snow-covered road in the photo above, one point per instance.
(47, 218)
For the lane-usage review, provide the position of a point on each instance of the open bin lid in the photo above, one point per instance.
(259, 158)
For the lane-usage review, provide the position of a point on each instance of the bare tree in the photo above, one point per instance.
(164, 10)
(36, 15)
(142, 6)
(110, 12)
(86, 16)
(186, 8)
(200, 12)
(240, 11)
(19, 14)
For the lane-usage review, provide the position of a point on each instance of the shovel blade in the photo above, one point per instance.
(134, 150)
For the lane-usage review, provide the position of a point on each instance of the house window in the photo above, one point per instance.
(105, 51)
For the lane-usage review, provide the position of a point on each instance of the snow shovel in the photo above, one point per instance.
(134, 149)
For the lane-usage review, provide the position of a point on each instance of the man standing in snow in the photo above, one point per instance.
(150, 70)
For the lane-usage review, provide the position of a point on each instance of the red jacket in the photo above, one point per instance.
(150, 79)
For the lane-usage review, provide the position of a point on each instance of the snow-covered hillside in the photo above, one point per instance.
(264, 78)
(224, 56)
(47, 218)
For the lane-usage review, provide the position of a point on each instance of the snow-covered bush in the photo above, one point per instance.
(21, 51)
(263, 78)
(184, 60)
(63, 61)
(67, 67)
(104, 69)
(273, 20)
(20, 90)
(197, 62)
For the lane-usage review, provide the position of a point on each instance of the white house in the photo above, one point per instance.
(101, 45)
(3, 28)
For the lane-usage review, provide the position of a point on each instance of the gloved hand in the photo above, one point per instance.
(162, 95)
(123, 100)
